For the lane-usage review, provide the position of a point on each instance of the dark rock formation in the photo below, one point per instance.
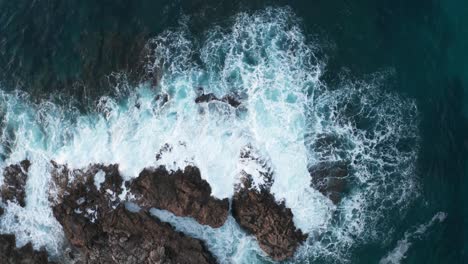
(329, 178)
(103, 231)
(9, 254)
(120, 236)
(183, 193)
(229, 99)
(15, 177)
(271, 222)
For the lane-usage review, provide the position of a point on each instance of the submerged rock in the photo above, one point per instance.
(229, 99)
(97, 224)
(257, 211)
(329, 178)
(252, 160)
(9, 254)
(183, 193)
(330, 145)
(14, 182)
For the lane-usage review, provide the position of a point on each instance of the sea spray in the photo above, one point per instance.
(266, 62)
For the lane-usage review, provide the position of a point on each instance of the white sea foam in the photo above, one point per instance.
(265, 59)
(99, 178)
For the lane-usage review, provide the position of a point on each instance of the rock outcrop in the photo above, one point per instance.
(96, 179)
(183, 193)
(14, 177)
(97, 224)
(257, 211)
(228, 99)
(329, 178)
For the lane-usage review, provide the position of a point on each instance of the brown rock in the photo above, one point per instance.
(65, 180)
(271, 222)
(14, 177)
(97, 224)
(183, 193)
(329, 178)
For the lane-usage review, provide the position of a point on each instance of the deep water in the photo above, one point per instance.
(408, 60)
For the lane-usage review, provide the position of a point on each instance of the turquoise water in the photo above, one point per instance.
(394, 70)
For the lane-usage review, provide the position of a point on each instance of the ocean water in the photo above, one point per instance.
(385, 81)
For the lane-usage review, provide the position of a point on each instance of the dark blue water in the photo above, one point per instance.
(67, 47)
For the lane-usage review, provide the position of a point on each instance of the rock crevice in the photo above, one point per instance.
(257, 212)
(184, 193)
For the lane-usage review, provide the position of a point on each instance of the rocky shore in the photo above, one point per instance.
(14, 181)
(90, 204)
(97, 224)
(12, 190)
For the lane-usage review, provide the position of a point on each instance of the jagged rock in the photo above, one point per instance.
(329, 178)
(257, 211)
(105, 232)
(14, 177)
(229, 99)
(9, 254)
(183, 193)
(65, 180)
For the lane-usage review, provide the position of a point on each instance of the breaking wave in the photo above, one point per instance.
(292, 118)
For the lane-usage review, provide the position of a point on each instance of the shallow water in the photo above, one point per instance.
(374, 77)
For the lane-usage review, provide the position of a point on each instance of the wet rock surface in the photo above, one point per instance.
(87, 203)
(14, 182)
(65, 181)
(10, 254)
(329, 178)
(257, 211)
(97, 224)
(183, 193)
(228, 99)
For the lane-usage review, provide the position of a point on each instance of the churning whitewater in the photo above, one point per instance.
(287, 114)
